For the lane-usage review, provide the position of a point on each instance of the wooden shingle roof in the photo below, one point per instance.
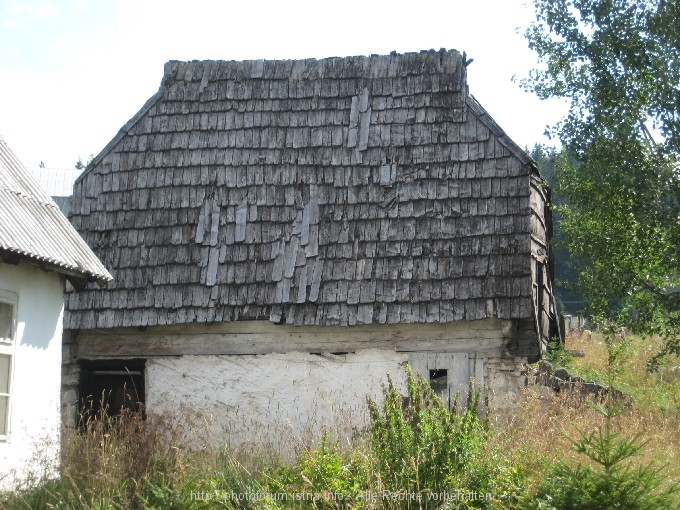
(33, 229)
(336, 191)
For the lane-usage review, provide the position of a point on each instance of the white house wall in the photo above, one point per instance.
(33, 440)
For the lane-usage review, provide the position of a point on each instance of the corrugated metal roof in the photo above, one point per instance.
(58, 182)
(33, 228)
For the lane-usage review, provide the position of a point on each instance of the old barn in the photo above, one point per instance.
(282, 234)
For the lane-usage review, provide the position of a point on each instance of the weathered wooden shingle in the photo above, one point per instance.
(336, 191)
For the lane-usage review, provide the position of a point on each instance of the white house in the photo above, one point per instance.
(39, 251)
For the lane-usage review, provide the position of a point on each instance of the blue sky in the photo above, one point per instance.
(72, 72)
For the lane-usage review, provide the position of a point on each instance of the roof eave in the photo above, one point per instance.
(77, 278)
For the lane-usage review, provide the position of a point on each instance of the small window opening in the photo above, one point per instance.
(6, 322)
(439, 382)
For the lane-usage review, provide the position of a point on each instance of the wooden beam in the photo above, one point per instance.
(262, 337)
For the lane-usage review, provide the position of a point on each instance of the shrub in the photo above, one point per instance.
(324, 477)
(557, 355)
(418, 445)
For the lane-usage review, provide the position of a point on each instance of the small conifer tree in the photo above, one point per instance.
(612, 483)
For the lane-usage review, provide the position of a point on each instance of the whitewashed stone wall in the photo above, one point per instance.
(504, 380)
(282, 402)
(279, 402)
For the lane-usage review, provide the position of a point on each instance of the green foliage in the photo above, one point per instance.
(618, 63)
(419, 455)
(611, 482)
(501, 474)
(627, 245)
(326, 470)
(419, 446)
(326, 476)
(557, 356)
(585, 488)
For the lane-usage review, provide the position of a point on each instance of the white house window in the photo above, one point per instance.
(8, 302)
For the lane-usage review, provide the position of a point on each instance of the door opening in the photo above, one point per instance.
(110, 388)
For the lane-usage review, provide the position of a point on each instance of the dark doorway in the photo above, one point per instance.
(110, 388)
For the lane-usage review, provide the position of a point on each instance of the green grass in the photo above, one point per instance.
(656, 392)
(414, 455)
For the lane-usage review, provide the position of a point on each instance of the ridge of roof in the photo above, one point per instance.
(394, 65)
(33, 229)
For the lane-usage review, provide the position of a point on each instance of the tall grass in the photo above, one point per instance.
(552, 425)
(415, 454)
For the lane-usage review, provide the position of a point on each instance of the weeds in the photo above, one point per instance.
(418, 444)
(558, 356)
(415, 454)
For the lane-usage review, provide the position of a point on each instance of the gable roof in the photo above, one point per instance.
(33, 229)
(335, 191)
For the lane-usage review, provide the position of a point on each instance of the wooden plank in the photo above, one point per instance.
(354, 112)
(459, 377)
(476, 363)
(365, 314)
(277, 269)
(386, 175)
(215, 224)
(302, 285)
(257, 70)
(316, 279)
(304, 228)
(364, 99)
(363, 130)
(246, 344)
(213, 264)
(312, 248)
(454, 329)
(291, 251)
(201, 227)
(352, 136)
(353, 133)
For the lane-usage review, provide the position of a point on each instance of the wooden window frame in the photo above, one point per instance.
(8, 350)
